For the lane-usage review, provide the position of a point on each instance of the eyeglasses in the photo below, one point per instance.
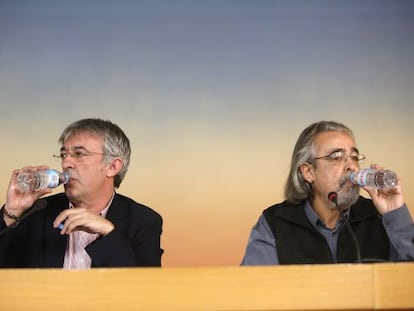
(340, 156)
(77, 154)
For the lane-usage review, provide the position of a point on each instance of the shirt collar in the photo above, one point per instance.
(314, 218)
(105, 210)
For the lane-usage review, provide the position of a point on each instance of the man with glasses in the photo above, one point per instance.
(89, 225)
(323, 218)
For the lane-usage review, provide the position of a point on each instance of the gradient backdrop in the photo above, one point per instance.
(212, 94)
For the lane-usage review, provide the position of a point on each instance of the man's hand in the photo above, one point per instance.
(385, 200)
(17, 202)
(81, 219)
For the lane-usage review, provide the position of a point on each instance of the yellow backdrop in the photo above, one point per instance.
(212, 96)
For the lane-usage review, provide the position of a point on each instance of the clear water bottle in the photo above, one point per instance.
(381, 179)
(33, 181)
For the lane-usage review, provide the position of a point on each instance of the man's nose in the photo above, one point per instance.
(350, 164)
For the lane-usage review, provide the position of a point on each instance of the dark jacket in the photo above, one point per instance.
(298, 242)
(135, 241)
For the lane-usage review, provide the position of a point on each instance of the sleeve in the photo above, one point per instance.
(140, 247)
(4, 242)
(261, 247)
(400, 229)
(11, 246)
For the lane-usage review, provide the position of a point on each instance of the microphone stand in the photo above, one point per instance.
(333, 197)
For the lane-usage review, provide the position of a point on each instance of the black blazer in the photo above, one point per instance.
(135, 241)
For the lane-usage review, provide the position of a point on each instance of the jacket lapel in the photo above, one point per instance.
(55, 245)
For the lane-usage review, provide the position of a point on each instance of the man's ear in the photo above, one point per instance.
(307, 172)
(114, 167)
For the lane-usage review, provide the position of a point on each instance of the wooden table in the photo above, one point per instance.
(296, 287)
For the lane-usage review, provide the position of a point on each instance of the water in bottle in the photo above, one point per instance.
(33, 181)
(381, 179)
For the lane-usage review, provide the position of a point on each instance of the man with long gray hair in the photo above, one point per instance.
(323, 218)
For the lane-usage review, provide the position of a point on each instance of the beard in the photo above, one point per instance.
(348, 194)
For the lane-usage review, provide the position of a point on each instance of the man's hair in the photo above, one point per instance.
(297, 189)
(115, 142)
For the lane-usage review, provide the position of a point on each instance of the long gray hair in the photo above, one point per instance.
(115, 142)
(297, 189)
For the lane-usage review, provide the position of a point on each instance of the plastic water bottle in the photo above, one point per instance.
(33, 181)
(381, 179)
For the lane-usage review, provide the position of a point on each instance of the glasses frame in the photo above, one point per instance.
(77, 154)
(357, 158)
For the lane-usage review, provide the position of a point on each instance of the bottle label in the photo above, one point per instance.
(362, 177)
(53, 179)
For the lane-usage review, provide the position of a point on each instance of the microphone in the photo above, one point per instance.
(333, 197)
(40, 204)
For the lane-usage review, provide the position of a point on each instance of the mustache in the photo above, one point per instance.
(343, 180)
